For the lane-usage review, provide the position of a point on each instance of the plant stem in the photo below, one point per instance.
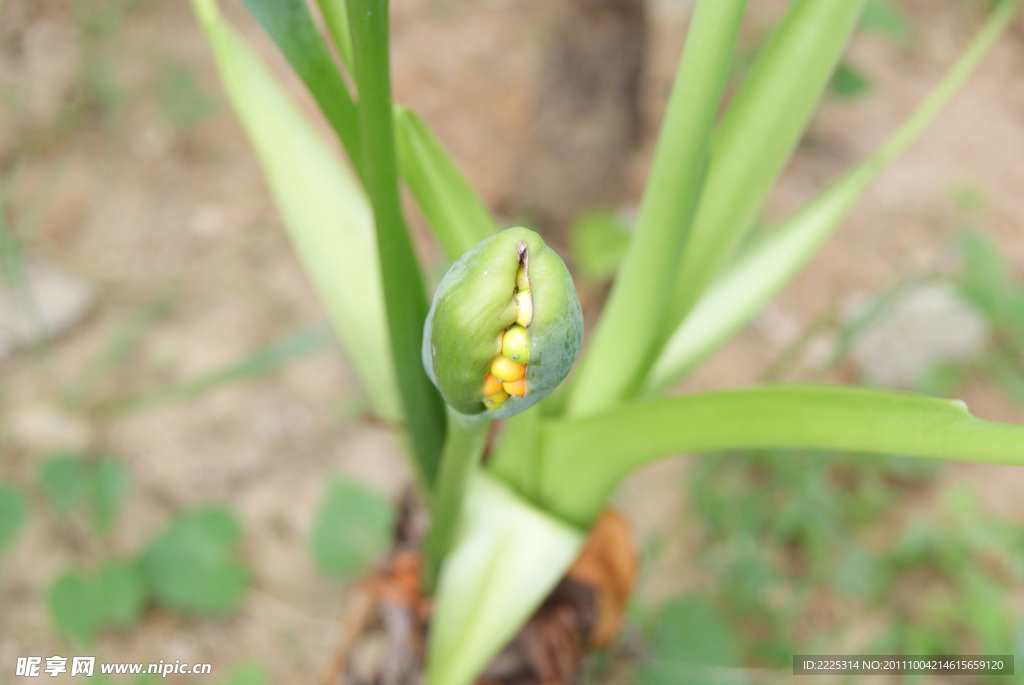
(516, 457)
(463, 448)
(404, 294)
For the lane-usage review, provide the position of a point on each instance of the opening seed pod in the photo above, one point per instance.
(505, 326)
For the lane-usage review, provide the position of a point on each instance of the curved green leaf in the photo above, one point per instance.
(585, 458)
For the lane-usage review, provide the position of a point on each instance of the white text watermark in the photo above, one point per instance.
(35, 666)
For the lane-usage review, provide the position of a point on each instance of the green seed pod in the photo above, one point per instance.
(476, 301)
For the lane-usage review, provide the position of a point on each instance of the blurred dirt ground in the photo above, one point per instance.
(161, 207)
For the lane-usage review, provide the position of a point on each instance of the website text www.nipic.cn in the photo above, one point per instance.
(33, 666)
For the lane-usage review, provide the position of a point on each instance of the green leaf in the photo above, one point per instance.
(111, 484)
(290, 25)
(193, 565)
(123, 591)
(886, 19)
(630, 321)
(454, 210)
(848, 82)
(82, 603)
(352, 530)
(609, 445)
(323, 207)
(598, 243)
(757, 135)
(689, 635)
(64, 481)
(76, 605)
(405, 300)
(13, 514)
(763, 269)
(70, 482)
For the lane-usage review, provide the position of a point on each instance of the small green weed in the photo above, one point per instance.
(353, 528)
(71, 483)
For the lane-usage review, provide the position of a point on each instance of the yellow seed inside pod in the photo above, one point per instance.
(491, 385)
(514, 346)
(522, 281)
(524, 308)
(506, 370)
(496, 400)
(517, 388)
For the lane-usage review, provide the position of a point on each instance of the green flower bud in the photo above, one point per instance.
(477, 300)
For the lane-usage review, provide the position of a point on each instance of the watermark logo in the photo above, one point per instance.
(83, 665)
(28, 665)
(32, 667)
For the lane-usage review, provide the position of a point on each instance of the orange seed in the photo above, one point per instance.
(507, 370)
(517, 388)
(491, 385)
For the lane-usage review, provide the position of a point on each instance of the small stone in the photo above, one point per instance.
(43, 428)
(927, 327)
(43, 303)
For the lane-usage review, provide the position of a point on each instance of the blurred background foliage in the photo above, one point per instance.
(187, 470)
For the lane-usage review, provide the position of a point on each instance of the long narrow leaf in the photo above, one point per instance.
(404, 294)
(758, 134)
(585, 458)
(290, 25)
(766, 267)
(631, 321)
(453, 209)
(323, 208)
